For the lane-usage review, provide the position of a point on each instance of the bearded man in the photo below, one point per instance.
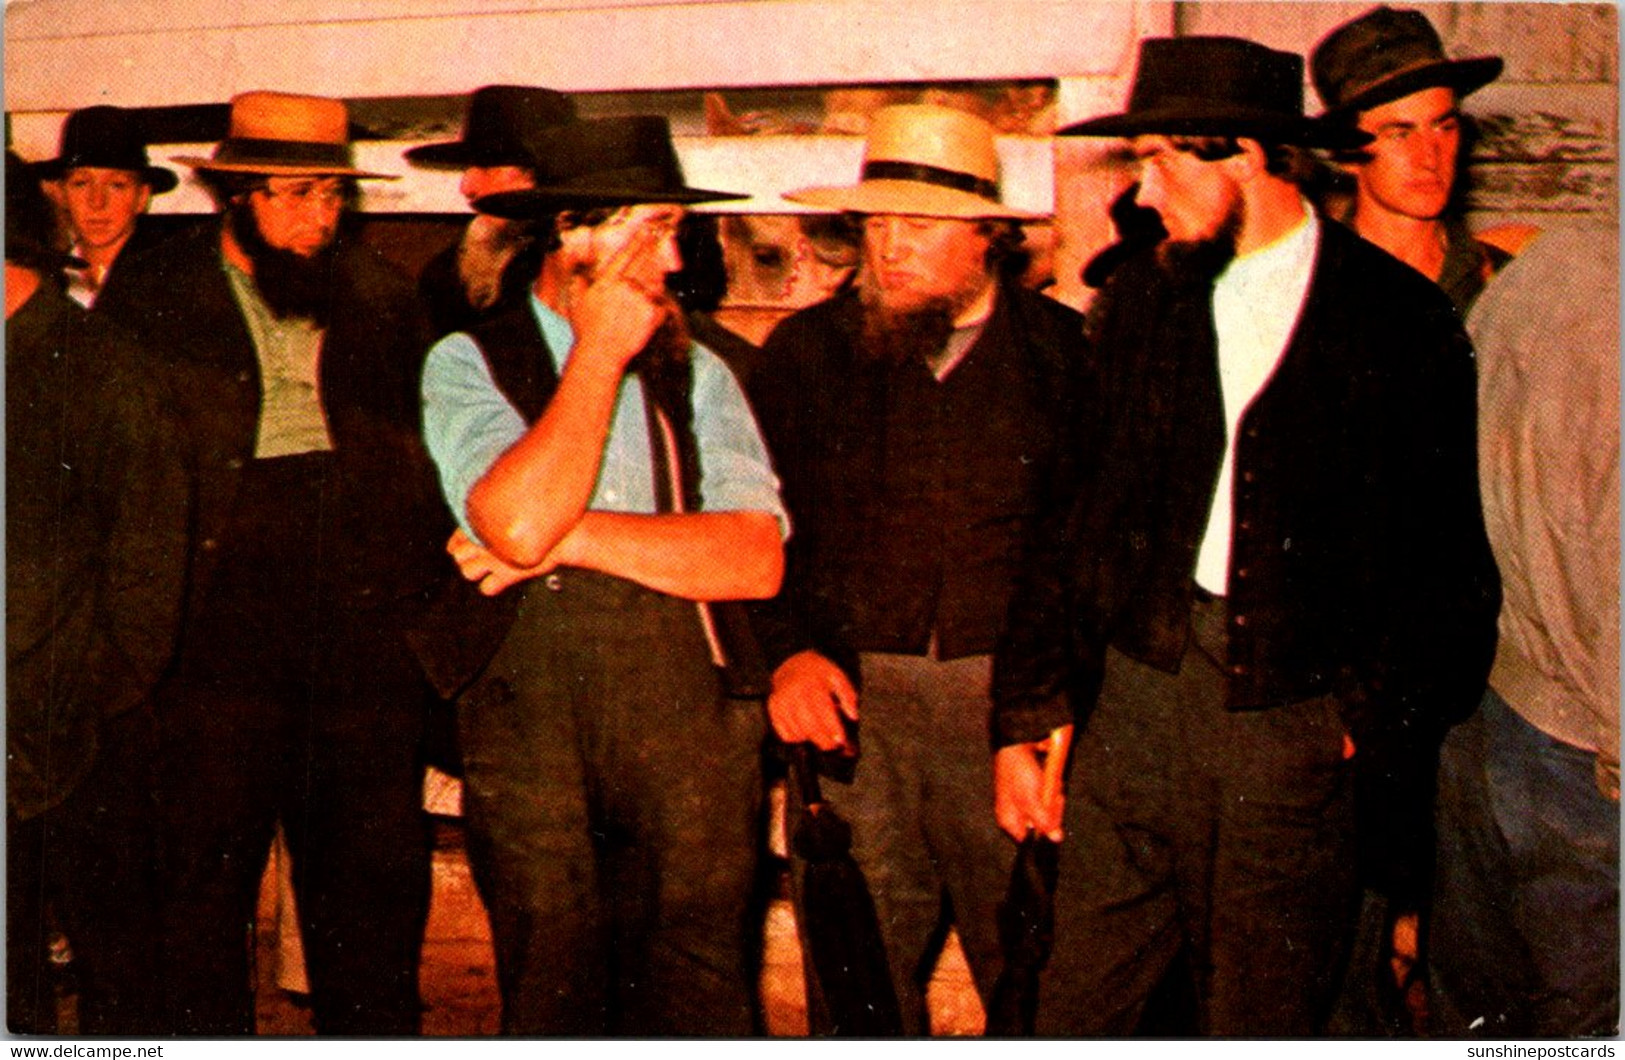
(611, 485)
(916, 421)
(1266, 588)
(317, 532)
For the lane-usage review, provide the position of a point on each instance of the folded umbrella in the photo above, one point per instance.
(840, 927)
(1027, 914)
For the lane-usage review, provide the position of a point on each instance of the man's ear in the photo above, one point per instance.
(146, 198)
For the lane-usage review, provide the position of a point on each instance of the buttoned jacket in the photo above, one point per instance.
(1359, 565)
(389, 525)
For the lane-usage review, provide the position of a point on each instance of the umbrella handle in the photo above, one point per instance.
(1056, 748)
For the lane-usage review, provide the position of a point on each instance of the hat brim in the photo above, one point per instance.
(157, 178)
(539, 202)
(280, 169)
(909, 198)
(1253, 125)
(1466, 76)
(460, 154)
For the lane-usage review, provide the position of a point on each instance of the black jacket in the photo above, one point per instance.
(97, 507)
(390, 524)
(1359, 562)
(909, 500)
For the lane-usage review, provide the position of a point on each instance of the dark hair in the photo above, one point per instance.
(701, 283)
(1007, 255)
(32, 238)
(1280, 160)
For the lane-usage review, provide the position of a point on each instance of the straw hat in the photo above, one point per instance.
(602, 162)
(1218, 86)
(105, 138)
(1386, 54)
(280, 134)
(923, 160)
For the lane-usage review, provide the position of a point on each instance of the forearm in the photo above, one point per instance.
(697, 556)
(537, 490)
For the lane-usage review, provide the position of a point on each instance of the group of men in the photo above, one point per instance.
(1229, 529)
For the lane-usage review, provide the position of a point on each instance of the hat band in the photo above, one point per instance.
(924, 174)
(243, 150)
(1398, 71)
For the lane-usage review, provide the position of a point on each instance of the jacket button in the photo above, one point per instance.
(1249, 476)
(1245, 524)
(1240, 620)
(235, 463)
(1242, 572)
(1238, 670)
(208, 544)
(243, 377)
(553, 582)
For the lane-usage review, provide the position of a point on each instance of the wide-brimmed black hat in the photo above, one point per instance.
(1218, 86)
(1386, 54)
(501, 122)
(105, 138)
(602, 162)
(31, 232)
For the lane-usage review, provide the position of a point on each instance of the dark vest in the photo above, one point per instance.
(471, 626)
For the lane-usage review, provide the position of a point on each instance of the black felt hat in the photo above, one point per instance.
(1386, 54)
(1218, 86)
(105, 138)
(602, 162)
(500, 128)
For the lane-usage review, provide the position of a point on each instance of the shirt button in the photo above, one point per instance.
(553, 582)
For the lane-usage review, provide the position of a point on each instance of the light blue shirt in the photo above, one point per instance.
(468, 424)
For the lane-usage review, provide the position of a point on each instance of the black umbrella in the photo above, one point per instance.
(1027, 914)
(840, 929)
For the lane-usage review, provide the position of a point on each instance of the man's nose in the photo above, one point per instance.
(98, 197)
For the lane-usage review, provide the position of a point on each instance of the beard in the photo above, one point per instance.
(292, 285)
(487, 247)
(893, 336)
(1202, 260)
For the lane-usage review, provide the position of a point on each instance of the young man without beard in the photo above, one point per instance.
(491, 265)
(916, 420)
(317, 530)
(610, 481)
(1268, 582)
(96, 516)
(1386, 74)
(102, 182)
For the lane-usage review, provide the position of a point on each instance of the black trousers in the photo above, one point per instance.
(90, 862)
(1231, 833)
(612, 799)
(286, 706)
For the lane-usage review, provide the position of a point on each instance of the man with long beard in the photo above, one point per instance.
(916, 420)
(610, 483)
(317, 530)
(1268, 582)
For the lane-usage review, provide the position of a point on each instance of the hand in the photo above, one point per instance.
(810, 695)
(1019, 798)
(615, 315)
(478, 564)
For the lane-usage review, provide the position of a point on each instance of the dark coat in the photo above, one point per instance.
(1359, 565)
(97, 507)
(1359, 562)
(390, 524)
(894, 539)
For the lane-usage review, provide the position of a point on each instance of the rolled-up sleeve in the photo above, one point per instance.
(735, 471)
(467, 422)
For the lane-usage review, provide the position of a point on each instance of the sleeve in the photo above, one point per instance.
(467, 422)
(736, 473)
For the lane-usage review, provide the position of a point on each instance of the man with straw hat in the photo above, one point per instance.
(611, 485)
(103, 183)
(494, 260)
(916, 420)
(316, 531)
(1267, 588)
